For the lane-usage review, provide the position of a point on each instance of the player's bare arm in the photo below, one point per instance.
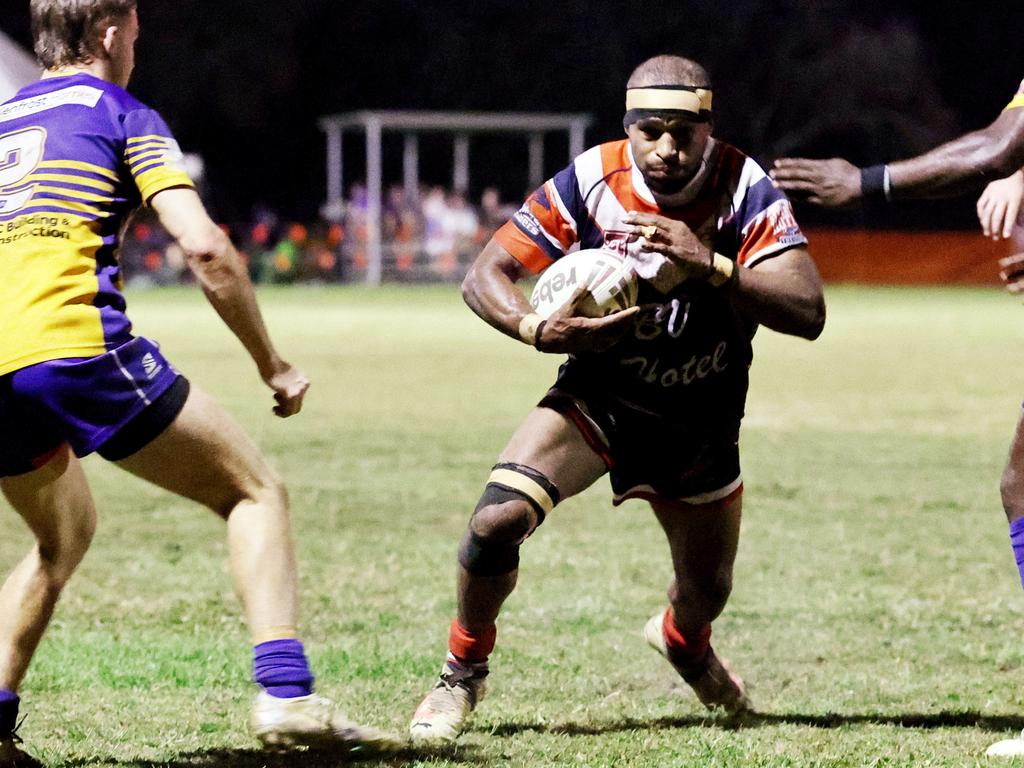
(491, 292)
(955, 167)
(223, 277)
(783, 293)
(1000, 204)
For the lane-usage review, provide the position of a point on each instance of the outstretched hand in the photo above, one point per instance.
(566, 331)
(999, 206)
(289, 385)
(831, 183)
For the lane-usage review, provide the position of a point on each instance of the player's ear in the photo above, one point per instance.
(109, 38)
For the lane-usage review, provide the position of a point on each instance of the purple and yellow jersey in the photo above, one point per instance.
(689, 351)
(1018, 99)
(77, 156)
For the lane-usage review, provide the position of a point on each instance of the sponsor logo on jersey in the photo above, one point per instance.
(617, 241)
(525, 219)
(82, 95)
(780, 216)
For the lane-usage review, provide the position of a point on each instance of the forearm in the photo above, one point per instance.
(226, 284)
(964, 164)
(787, 298)
(490, 291)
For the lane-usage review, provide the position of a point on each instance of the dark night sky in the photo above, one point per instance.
(242, 82)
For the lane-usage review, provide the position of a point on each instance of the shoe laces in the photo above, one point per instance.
(463, 675)
(460, 676)
(13, 736)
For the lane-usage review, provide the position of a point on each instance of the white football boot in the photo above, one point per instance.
(714, 683)
(441, 716)
(1007, 748)
(314, 721)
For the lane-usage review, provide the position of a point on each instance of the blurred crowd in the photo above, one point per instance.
(434, 237)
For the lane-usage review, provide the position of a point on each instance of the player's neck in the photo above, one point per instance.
(97, 68)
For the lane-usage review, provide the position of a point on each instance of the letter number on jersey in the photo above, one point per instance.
(20, 154)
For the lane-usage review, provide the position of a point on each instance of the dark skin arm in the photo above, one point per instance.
(783, 293)
(490, 291)
(961, 165)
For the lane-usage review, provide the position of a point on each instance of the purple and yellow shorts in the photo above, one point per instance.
(114, 404)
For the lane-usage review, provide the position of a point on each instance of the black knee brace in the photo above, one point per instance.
(498, 555)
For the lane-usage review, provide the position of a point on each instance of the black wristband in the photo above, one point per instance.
(872, 182)
(536, 338)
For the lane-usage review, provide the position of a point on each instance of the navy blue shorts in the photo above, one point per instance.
(649, 457)
(114, 403)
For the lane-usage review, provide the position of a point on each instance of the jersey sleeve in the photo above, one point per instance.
(545, 227)
(767, 224)
(151, 154)
(1017, 101)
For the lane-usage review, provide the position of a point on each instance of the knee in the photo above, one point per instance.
(490, 547)
(264, 488)
(515, 501)
(61, 555)
(509, 522)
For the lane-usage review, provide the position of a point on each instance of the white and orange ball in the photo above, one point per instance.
(609, 279)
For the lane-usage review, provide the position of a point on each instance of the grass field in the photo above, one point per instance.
(877, 613)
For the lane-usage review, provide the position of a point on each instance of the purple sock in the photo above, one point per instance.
(8, 710)
(1017, 541)
(281, 668)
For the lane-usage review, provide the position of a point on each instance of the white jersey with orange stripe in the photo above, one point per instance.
(688, 337)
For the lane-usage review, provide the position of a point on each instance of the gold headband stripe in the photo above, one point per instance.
(525, 485)
(665, 98)
(1016, 103)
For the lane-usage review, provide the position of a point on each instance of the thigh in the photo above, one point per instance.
(703, 538)
(549, 442)
(1015, 461)
(203, 455)
(55, 502)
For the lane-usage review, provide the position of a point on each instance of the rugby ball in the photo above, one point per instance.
(609, 279)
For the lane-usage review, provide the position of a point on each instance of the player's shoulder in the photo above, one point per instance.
(732, 157)
(595, 164)
(734, 167)
(122, 100)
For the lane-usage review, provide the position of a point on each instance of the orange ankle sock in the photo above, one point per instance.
(468, 647)
(685, 649)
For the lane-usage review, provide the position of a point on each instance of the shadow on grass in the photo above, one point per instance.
(994, 723)
(258, 758)
(468, 754)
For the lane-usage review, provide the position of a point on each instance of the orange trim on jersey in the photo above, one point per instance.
(764, 235)
(522, 248)
(755, 242)
(560, 228)
(615, 157)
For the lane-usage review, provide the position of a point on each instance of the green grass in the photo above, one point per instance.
(876, 611)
